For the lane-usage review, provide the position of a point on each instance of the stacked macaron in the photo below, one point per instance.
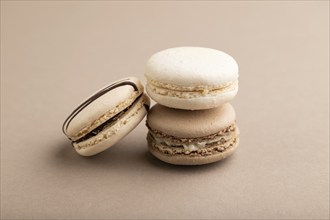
(193, 123)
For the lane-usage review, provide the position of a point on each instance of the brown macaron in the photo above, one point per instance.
(186, 137)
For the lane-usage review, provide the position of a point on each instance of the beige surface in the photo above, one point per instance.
(54, 54)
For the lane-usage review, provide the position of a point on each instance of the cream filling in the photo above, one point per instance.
(192, 146)
(208, 150)
(106, 116)
(112, 129)
(218, 142)
(188, 88)
(190, 92)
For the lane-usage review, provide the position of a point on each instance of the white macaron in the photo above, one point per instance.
(191, 78)
(107, 116)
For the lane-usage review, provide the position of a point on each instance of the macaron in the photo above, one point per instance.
(184, 137)
(107, 116)
(191, 78)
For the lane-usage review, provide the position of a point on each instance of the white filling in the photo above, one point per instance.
(192, 146)
(193, 93)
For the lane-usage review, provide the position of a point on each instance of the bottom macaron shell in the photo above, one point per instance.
(116, 131)
(194, 103)
(192, 160)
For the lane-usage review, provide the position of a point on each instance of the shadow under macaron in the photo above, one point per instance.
(120, 156)
(125, 157)
(152, 160)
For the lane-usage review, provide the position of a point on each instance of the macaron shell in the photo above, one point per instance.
(104, 107)
(186, 160)
(190, 124)
(204, 101)
(192, 66)
(116, 131)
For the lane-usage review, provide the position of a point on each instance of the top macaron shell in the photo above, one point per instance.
(191, 78)
(190, 124)
(192, 66)
(121, 95)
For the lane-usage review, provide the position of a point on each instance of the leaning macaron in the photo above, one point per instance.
(185, 137)
(107, 116)
(191, 78)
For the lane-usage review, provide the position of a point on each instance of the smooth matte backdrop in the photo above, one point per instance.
(54, 54)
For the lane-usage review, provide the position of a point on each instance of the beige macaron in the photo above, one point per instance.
(186, 137)
(107, 116)
(191, 78)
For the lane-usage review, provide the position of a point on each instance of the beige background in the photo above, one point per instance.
(55, 54)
